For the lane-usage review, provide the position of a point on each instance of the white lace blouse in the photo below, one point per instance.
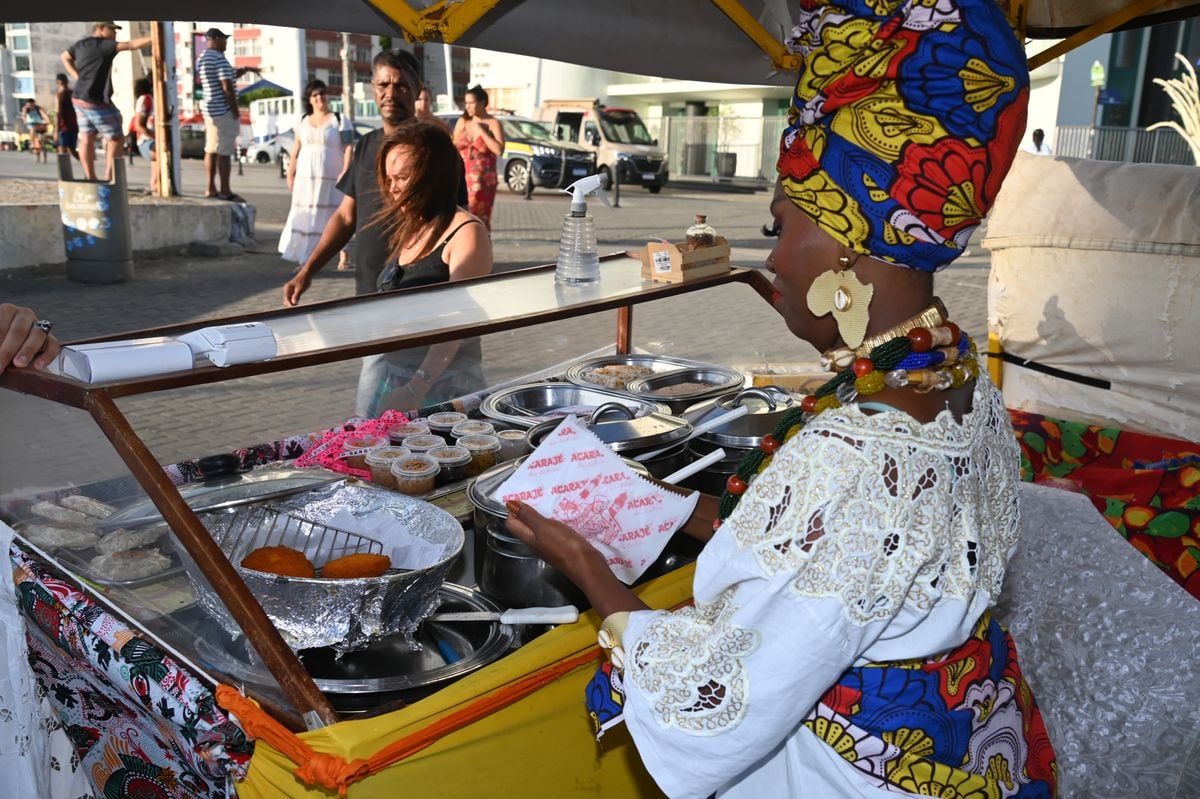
(868, 538)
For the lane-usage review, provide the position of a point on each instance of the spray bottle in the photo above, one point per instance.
(578, 262)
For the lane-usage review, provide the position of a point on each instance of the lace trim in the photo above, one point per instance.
(881, 510)
(689, 665)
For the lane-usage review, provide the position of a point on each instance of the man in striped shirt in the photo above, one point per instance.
(221, 117)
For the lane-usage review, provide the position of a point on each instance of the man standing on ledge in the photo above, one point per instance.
(221, 118)
(89, 63)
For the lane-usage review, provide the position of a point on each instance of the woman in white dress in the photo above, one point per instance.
(320, 154)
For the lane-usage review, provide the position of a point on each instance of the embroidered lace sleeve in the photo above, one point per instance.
(866, 534)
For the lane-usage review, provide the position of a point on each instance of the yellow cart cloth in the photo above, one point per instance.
(538, 745)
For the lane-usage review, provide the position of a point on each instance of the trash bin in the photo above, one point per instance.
(726, 165)
(695, 159)
(96, 230)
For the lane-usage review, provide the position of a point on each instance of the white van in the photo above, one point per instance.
(617, 135)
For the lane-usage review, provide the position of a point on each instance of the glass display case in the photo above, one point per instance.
(137, 446)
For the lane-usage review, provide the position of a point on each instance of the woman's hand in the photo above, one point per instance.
(567, 551)
(22, 341)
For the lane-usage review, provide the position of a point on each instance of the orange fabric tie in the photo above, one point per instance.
(336, 773)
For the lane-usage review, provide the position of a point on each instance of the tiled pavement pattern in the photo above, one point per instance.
(729, 325)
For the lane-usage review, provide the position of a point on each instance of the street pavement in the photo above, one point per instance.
(728, 325)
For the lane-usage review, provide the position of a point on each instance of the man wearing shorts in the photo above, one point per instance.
(68, 126)
(89, 63)
(221, 118)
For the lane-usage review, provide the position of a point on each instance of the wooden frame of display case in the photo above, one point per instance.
(100, 402)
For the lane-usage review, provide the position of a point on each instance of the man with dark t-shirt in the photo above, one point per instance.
(89, 63)
(396, 82)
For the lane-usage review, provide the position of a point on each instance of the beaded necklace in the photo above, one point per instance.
(924, 358)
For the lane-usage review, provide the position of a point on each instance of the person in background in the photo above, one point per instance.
(143, 126)
(396, 81)
(37, 123)
(424, 108)
(841, 642)
(24, 339)
(65, 120)
(89, 63)
(480, 140)
(431, 240)
(222, 120)
(1038, 145)
(321, 152)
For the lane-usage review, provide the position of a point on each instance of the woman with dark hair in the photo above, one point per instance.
(321, 152)
(432, 240)
(841, 643)
(37, 123)
(479, 138)
(143, 127)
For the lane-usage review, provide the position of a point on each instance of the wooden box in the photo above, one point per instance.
(664, 262)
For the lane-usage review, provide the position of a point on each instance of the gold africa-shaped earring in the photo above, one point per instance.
(841, 293)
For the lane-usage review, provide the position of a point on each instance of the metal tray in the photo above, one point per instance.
(361, 680)
(716, 380)
(526, 405)
(658, 364)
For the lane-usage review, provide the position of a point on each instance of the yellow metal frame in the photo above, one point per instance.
(1094, 30)
(447, 22)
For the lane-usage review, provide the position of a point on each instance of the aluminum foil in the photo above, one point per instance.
(346, 615)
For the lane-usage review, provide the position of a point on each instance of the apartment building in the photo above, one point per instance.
(29, 60)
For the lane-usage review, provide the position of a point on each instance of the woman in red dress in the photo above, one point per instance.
(480, 140)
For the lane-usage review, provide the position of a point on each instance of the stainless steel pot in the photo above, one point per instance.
(682, 388)
(766, 407)
(616, 426)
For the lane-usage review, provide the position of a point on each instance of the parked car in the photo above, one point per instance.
(268, 150)
(285, 152)
(191, 140)
(530, 149)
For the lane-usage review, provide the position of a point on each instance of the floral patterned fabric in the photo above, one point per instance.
(905, 120)
(1147, 487)
(963, 723)
(140, 725)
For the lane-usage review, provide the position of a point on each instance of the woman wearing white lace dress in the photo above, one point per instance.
(840, 643)
(320, 153)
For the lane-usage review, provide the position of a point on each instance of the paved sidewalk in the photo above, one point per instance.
(729, 325)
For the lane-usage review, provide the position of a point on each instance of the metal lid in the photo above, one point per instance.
(609, 371)
(766, 406)
(226, 492)
(529, 404)
(612, 425)
(482, 490)
(684, 385)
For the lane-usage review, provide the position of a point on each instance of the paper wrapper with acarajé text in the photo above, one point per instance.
(575, 478)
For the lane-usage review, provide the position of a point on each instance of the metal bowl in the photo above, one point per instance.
(391, 667)
(526, 405)
(657, 364)
(344, 614)
(685, 387)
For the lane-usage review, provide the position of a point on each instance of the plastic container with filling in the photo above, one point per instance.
(379, 462)
(513, 444)
(416, 474)
(398, 432)
(355, 449)
(444, 422)
(485, 451)
(453, 461)
(472, 427)
(423, 442)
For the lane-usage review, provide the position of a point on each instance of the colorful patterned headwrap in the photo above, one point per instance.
(905, 120)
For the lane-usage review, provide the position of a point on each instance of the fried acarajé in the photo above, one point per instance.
(284, 561)
(358, 565)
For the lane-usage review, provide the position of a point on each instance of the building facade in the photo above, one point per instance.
(29, 60)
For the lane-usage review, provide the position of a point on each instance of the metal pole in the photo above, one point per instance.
(617, 183)
(529, 179)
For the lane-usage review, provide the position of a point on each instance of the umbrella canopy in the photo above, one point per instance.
(685, 39)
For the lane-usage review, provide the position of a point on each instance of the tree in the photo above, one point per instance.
(385, 42)
(1185, 96)
(265, 92)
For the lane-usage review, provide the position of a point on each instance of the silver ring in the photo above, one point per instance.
(44, 325)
